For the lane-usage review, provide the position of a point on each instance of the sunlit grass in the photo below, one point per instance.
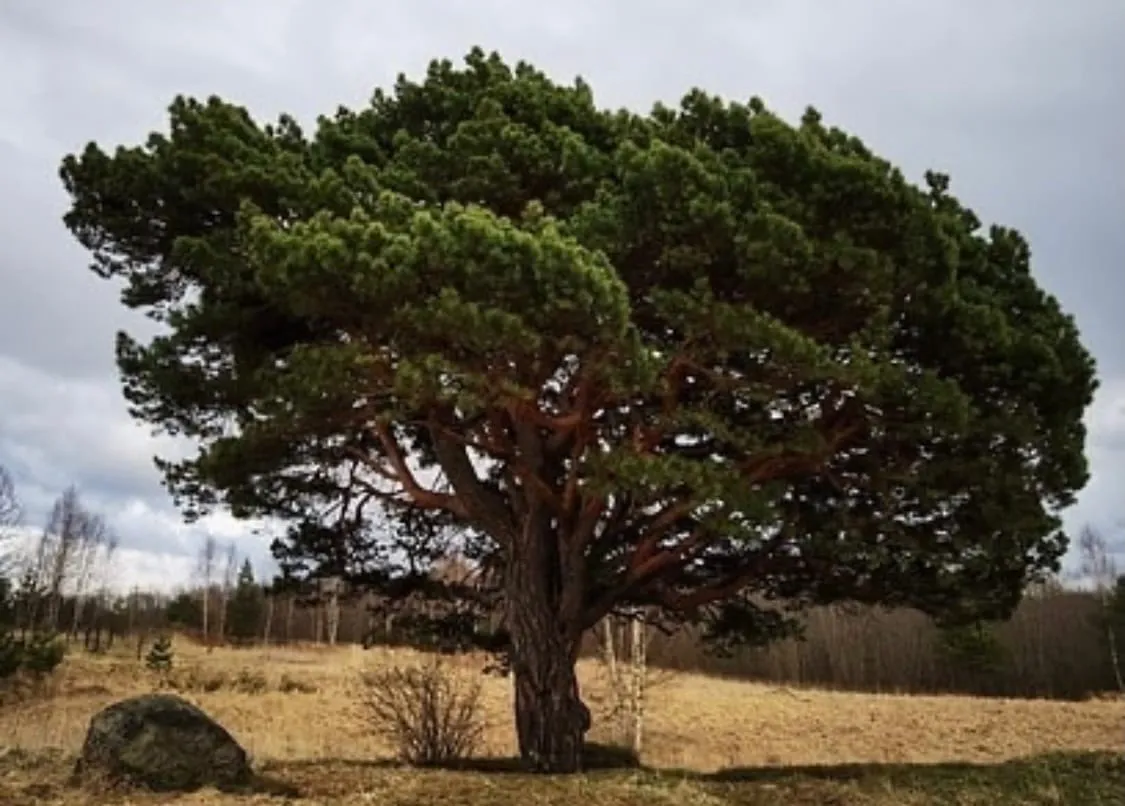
(296, 711)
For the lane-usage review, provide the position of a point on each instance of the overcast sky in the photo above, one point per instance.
(1020, 100)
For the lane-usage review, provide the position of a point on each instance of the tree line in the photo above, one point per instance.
(57, 582)
(1060, 642)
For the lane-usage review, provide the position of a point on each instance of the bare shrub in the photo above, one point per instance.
(193, 679)
(431, 712)
(294, 685)
(249, 681)
(196, 680)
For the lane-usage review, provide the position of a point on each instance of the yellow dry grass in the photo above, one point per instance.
(315, 730)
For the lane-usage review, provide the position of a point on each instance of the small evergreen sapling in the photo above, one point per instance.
(34, 657)
(42, 654)
(159, 657)
(11, 655)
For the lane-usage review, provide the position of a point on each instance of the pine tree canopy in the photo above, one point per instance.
(696, 359)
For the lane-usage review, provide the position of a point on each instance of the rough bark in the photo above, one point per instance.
(551, 719)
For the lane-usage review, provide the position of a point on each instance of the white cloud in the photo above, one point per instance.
(75, 431)
(56, 432)
(166, 566)
(1105, 419)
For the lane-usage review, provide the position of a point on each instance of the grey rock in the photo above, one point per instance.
(162, 742)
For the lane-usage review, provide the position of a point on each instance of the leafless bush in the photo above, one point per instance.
(10, 514)
(249, 681)
(193, 679)
(294, 685)
(431, 712)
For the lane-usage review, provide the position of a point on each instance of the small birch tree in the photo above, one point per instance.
(1098, 565)
(208, 554)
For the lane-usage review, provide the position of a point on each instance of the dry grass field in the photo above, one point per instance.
(707, 741)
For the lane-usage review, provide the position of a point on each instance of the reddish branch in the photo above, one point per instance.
(647, 562)
(401, 473)
(579, 513)
(581, 438)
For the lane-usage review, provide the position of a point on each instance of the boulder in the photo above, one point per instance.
(162, 742)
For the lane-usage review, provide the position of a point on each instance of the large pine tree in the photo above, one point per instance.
(677, 359)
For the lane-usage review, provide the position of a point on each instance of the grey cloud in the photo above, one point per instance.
(75, 431)
(43, 289)
(1018, 99)
(56, 432)
(1100, 504)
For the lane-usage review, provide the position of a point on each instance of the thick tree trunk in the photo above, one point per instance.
(551, 719)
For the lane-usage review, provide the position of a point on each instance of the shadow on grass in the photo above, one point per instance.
(48, 775)
(598, 757)
(270, 786)
(1077, 778)
(1072, 777)
(259, 784)
(844, 772)
(606, 758)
